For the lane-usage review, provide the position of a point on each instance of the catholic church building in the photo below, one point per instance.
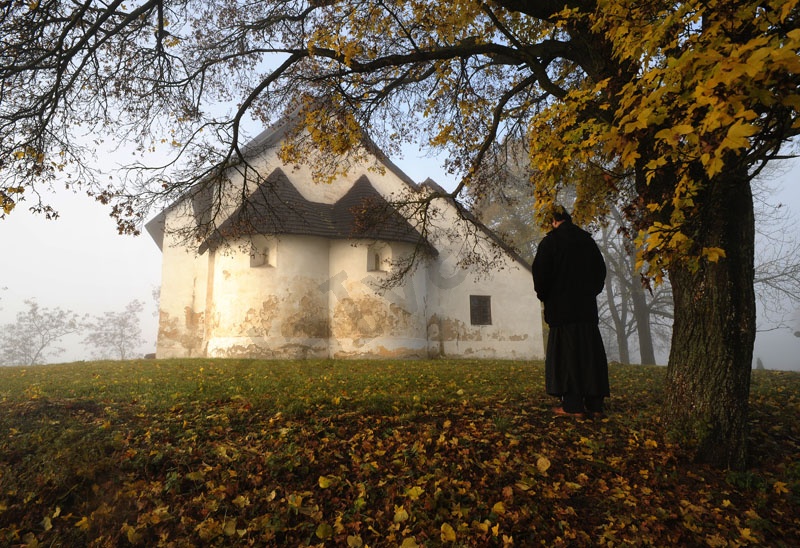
(294, 273)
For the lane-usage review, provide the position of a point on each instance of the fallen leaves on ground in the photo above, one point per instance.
(396, 464)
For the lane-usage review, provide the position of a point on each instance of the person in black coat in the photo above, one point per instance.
(568, 274)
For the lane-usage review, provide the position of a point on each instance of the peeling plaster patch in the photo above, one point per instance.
(383, 352)
(362, 317)
(255, 351)
(167, 327)
(309, 318)
(403, 319)
(366, 316)
(212, 321)
(448, 329)
(189, 335)
(435, 335)
(257, 323)
(194, 329)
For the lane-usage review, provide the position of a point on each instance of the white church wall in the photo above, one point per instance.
(514, 329)
(366, 319)
(277, 310)
(182, 304)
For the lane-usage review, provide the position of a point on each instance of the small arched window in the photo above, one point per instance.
(262, 252)
(379, 257)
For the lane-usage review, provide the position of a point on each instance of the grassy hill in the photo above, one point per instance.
(373, 453)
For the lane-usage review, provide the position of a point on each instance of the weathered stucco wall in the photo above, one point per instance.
(515, 331)
(273, 310)
(366, 321)
(181, 325)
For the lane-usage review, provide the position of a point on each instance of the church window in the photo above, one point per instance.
(262, 252)
(378, 257)
(480, 309)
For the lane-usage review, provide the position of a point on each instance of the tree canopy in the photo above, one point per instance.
(666, 108)
(592, 83)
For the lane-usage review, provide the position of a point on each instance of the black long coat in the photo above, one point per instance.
(568, 274)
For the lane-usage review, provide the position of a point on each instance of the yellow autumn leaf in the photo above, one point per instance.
(338, 527)
(650, 444)
(713, 254)
(499, 508)
(241, 501)
(671, 133)
(522, 486)
(448, 533)
(354, 541)
(400, 514)
(752, 514)
(197, 475)
(409, 543)
(713, 165)
(542, 464)
(134, 537)
(737, 135)
(746, 534)
(716, 541)
(780, 487)
(324, 482)
(324, 531)
(415, 492)
(642, 120)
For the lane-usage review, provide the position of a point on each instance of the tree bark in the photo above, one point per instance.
(708, 376)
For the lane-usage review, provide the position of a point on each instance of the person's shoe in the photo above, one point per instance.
(558, 410)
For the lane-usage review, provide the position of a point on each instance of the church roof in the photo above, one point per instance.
(276, 207)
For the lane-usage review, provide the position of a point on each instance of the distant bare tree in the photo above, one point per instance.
(777, 269)
(637, 316)
(116, 334)
(30, 339)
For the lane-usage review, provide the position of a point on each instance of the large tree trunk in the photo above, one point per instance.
(708, 377)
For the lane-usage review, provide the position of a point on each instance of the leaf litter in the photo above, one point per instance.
(437, 453)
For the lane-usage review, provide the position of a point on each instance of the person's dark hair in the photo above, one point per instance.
(560, 213)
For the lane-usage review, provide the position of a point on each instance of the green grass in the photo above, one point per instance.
(372, 453)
